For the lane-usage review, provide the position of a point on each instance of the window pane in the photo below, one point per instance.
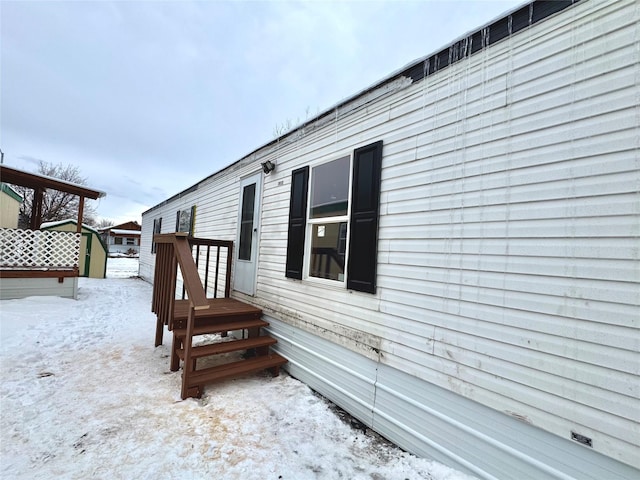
(327, 250)
(184, 221)
(330, 189)
(157, 227)
(246, 222)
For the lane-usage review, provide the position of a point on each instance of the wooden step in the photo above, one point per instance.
(223, 326)
(227, 347)
(218, 307)
(235, 369)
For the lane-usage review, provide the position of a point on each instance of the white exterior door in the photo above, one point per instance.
(246, 251)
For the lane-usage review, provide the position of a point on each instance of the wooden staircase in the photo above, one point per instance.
(196, 316)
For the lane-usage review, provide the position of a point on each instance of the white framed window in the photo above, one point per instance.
(328, 219)
(333, 220)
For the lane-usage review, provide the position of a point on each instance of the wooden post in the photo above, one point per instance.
(80, 215)
(227, 287)
(206, 272)
(159, 299)
(215, 284)
(36, 209)
(187, 366)
(174, 360)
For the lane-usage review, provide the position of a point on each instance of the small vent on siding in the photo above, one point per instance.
(582, 439)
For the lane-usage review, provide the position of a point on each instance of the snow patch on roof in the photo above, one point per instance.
(64, 222)
(119, 231)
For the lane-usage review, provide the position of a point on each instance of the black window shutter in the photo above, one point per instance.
(157, 228)
(192, 225)
(297, 222)
(365, 208)
(153, 244)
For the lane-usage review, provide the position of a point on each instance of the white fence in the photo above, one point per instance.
(38, 249)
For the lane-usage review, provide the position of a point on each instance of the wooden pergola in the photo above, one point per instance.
(39, 183)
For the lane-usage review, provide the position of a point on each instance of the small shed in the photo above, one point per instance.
(9, 206)
(93, 252)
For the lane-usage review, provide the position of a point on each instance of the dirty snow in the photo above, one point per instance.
(84, 394)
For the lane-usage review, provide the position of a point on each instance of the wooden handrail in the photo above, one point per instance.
(178, 250)
(176, 246)
(164, 286)
(208, 243)
(170, 237)
(190, 277)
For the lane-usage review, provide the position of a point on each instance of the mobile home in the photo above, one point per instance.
(451, 255)
(123, 239)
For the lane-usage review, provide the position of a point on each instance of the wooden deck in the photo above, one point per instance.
(222, 316)
(199, 315)
(57, 272)
(218, 308)
(206, 326)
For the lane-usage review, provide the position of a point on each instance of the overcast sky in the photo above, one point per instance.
(147, 98)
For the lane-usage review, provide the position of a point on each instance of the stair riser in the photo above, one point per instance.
(202, 322)
(253, 326)
(235, 369)
(261, 344)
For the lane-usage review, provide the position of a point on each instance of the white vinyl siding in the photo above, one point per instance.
(31, 287)
(508, 259)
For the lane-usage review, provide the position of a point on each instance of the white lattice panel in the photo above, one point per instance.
(38, 248)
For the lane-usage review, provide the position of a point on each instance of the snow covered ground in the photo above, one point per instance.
(84, 394)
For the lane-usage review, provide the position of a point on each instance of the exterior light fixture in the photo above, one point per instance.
(268, 167)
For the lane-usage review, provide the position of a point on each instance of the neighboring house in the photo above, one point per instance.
(93, 252)
(123, 239)
(451, 255)
(10, 202)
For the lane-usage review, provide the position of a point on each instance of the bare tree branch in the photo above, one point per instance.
(56, 205)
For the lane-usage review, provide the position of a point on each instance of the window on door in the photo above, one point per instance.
(246, 222)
